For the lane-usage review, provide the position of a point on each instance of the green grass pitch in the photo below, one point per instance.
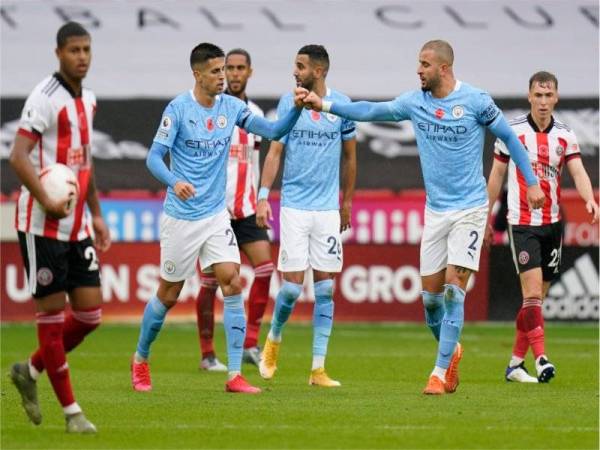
(383, 369)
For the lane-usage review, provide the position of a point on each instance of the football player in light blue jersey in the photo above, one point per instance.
(311, 219)
(449, 118)
(196, 130)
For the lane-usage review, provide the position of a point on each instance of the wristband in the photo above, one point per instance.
(263, 193)
(326, 106)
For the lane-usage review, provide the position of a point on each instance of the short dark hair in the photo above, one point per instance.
(442, 49)
(68, 30)
(203, 52)
(542, 77)
(240, 51)
(316, 53)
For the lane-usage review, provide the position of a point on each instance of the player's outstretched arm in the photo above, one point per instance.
(278, 128)
(501, 128)
(362, 111)
(584, 187)
(156, 165)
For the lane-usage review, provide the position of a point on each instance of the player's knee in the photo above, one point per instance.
(290, 292)
(458, 277)
(532, 291)
(432, 300)
(324, 291)
(235, 285)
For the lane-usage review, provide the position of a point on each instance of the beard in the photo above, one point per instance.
(306, 84)
(235, 92)
(430, 85)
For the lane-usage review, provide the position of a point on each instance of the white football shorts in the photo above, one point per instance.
(182, 242)
(452, 237)
(310, 239)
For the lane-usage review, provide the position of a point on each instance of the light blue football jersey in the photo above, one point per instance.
(311, 174)
(198, 139)
(450, 134)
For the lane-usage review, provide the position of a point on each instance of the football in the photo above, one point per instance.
(60, 184)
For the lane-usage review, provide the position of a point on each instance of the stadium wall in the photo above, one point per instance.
(379, 282)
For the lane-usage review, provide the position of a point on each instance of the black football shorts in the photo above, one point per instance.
(246, 230)
(537, 246)
(54, 266)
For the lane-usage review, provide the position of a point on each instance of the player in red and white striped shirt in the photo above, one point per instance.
(57, 247)
(242, 179)
(536, 236)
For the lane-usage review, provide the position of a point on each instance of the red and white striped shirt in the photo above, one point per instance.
(243, 170)
(61, 125)
(548, 150)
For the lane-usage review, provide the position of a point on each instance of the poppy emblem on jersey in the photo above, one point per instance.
(210, 124)
(331, 117)
(439, 113)
(523, 257)
(315, 115)
(221, 121)
(166, 123)
(169, 266)
(458, 111)
(44, 276)
(559, 150)
(543, 150)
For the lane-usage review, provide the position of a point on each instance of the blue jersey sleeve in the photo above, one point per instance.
(268, 129)
(364, 111)
(169, 125)
(486, 110)
(400, 107)
(348, 130)
(156, 164)
(282, 108)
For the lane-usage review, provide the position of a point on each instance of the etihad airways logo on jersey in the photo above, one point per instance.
(208, 144)
(311, 134)
(444, 129)
(441, 133)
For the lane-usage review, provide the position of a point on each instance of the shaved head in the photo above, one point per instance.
(442, 49)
